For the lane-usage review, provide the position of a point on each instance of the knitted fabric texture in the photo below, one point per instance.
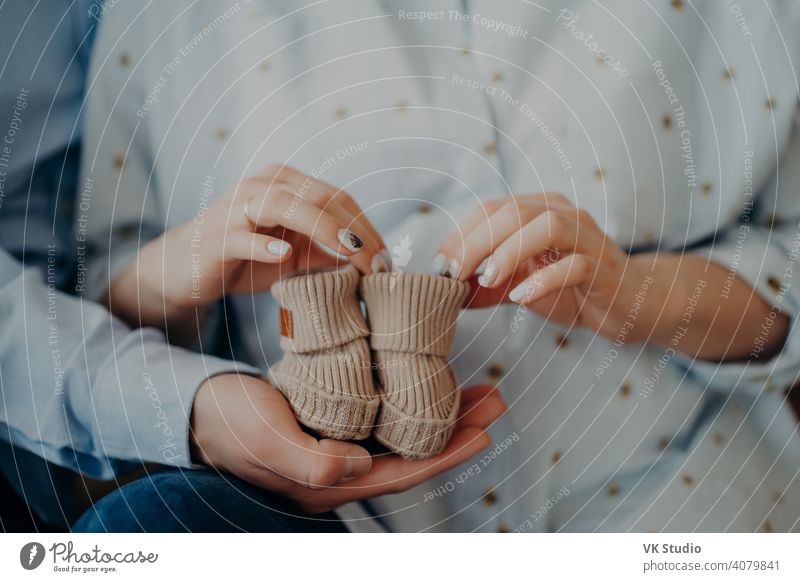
(326, 370)
(412, 323)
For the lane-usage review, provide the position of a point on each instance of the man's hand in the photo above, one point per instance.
(243, 425)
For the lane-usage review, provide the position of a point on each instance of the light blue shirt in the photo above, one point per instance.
(77, 387)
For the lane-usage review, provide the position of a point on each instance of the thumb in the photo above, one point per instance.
(329, 462)
(294, 454)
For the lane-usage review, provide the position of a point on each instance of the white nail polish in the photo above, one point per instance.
(349, 240)
(278, 247)
(437, 265)
(453, 268)
(520, 292)
(378, 264)
(489, 275)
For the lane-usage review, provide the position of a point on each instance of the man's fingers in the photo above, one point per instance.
(482, 413)
(332, 462)
(478, 392)
(292, 453)
(392, 474)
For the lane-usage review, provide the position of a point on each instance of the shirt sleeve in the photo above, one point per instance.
(82, 390)
(763, 251)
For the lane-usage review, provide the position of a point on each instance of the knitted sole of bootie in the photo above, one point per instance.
(334, 416)
(415, 437)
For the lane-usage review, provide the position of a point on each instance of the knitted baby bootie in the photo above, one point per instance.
(412, 323)
(326, 370)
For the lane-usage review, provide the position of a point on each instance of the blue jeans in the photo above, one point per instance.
(199, 501)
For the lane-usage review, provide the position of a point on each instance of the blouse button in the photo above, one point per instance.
(556, 457)
(503, 528)
(124, 60)
(424, 208)
(490, 497)
(599, 173)
(625, 390)
(666, 121)
(562, 342)
(774, 284)
(688, 480)
(613, 489)
(495, 372)
(490, 148)
(119, 162)
(728, 74)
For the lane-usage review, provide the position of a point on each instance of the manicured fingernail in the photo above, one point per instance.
(278, 247)
(489, 275)
(520, 292)
(378, 264)
(349, 240)
(387, 259)
(437, 265)
(453, 268)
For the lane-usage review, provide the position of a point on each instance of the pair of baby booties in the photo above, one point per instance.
(411, 401)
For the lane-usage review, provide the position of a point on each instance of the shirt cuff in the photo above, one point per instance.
(154, 388)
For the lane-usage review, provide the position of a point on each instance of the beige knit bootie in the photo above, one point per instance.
(412, 323)
(326, 371)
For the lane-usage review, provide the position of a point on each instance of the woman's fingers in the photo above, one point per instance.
(488, 225)
(546, 239)
(489, 235)
(570, 271)
(252, 246)
(278, 207)
(323, 195)
(443, 263)
(311, 214)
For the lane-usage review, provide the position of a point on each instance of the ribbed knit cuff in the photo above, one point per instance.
(319, 310)
(412, 312)
(331, 391)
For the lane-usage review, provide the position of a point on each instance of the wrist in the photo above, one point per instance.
(654, 299)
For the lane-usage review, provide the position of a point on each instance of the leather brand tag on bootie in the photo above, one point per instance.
(287, 325)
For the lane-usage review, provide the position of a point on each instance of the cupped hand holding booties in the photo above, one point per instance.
(327, 370)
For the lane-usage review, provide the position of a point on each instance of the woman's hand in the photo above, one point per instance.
(545, 253)
(243, 425)
(264, 226)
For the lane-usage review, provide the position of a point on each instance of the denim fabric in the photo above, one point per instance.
(200, 501)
